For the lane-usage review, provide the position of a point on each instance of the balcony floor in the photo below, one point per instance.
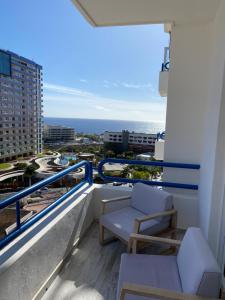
(92, 271)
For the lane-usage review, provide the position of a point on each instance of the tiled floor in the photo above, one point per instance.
(92, 272)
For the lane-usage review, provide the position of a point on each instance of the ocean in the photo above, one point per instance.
(97, 126)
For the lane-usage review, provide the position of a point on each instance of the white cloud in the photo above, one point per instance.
(136, 86)
(99, 107)
(66, 90)
(83, 80)
(128, 85)
(61, 101)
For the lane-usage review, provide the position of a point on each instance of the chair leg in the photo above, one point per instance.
(134, 247)
(129, 246)
(174, 221)
(174, 226)
(101, 234)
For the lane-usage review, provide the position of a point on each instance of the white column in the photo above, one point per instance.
(186, 111)
(195, 127)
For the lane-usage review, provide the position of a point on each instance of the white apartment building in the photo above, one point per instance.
(20, 106)
(133, 141)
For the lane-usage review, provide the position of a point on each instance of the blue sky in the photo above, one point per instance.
(107, 73)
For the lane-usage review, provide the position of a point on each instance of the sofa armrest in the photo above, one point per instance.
(134, 238)
(104, 202)
(156, 293)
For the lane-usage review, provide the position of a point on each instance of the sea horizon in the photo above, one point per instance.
(99, 126)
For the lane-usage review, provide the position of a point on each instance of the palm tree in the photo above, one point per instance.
(109, 154)
(126, 171)
(29, 172)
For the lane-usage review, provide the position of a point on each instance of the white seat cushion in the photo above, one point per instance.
(150, 200)
(199, 271)
(121, 222)
(151, 270)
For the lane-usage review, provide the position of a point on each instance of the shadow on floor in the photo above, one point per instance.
(92, 272)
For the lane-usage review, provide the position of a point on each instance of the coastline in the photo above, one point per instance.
(99, 126)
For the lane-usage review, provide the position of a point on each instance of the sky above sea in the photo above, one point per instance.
(97, 73)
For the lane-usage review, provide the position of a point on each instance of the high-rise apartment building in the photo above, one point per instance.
(21, 120)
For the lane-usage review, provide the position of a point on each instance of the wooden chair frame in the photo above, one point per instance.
(137, 222)
(156, 293)
(148, 291)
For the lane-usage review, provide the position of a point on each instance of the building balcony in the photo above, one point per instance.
(57, 250)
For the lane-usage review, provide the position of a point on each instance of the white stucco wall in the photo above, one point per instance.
(187, 92)
(195, 123)
(187, 107)
(28, 261)
(159, 150)
(213, 156)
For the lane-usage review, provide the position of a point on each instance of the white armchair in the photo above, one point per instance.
(150, 211)
(191, 275)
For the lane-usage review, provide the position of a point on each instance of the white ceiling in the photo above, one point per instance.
(128, 12)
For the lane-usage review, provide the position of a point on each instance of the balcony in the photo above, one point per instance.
(65, 237)
(58, 247)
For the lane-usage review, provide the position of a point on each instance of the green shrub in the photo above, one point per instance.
(20, 166)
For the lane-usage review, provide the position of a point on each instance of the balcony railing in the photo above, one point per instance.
(152, 164)
(15, 199)
(88, 178)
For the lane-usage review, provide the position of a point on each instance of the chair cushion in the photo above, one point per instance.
(198, 269)
(151, 270)
(150, 200)
(121, 223)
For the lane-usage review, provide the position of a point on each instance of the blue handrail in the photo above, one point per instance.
(148, 163)
(88, 178)
(21, 227)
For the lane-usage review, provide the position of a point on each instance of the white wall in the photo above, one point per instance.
(187, 107)
(159, 150)
(28, 261)
(163, 83)
(187, 92)
(107, 192)
(195, 127)
(213, 158)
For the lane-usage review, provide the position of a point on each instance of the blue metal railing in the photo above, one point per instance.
(15, 199)
(88, 178)
(148, 163)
